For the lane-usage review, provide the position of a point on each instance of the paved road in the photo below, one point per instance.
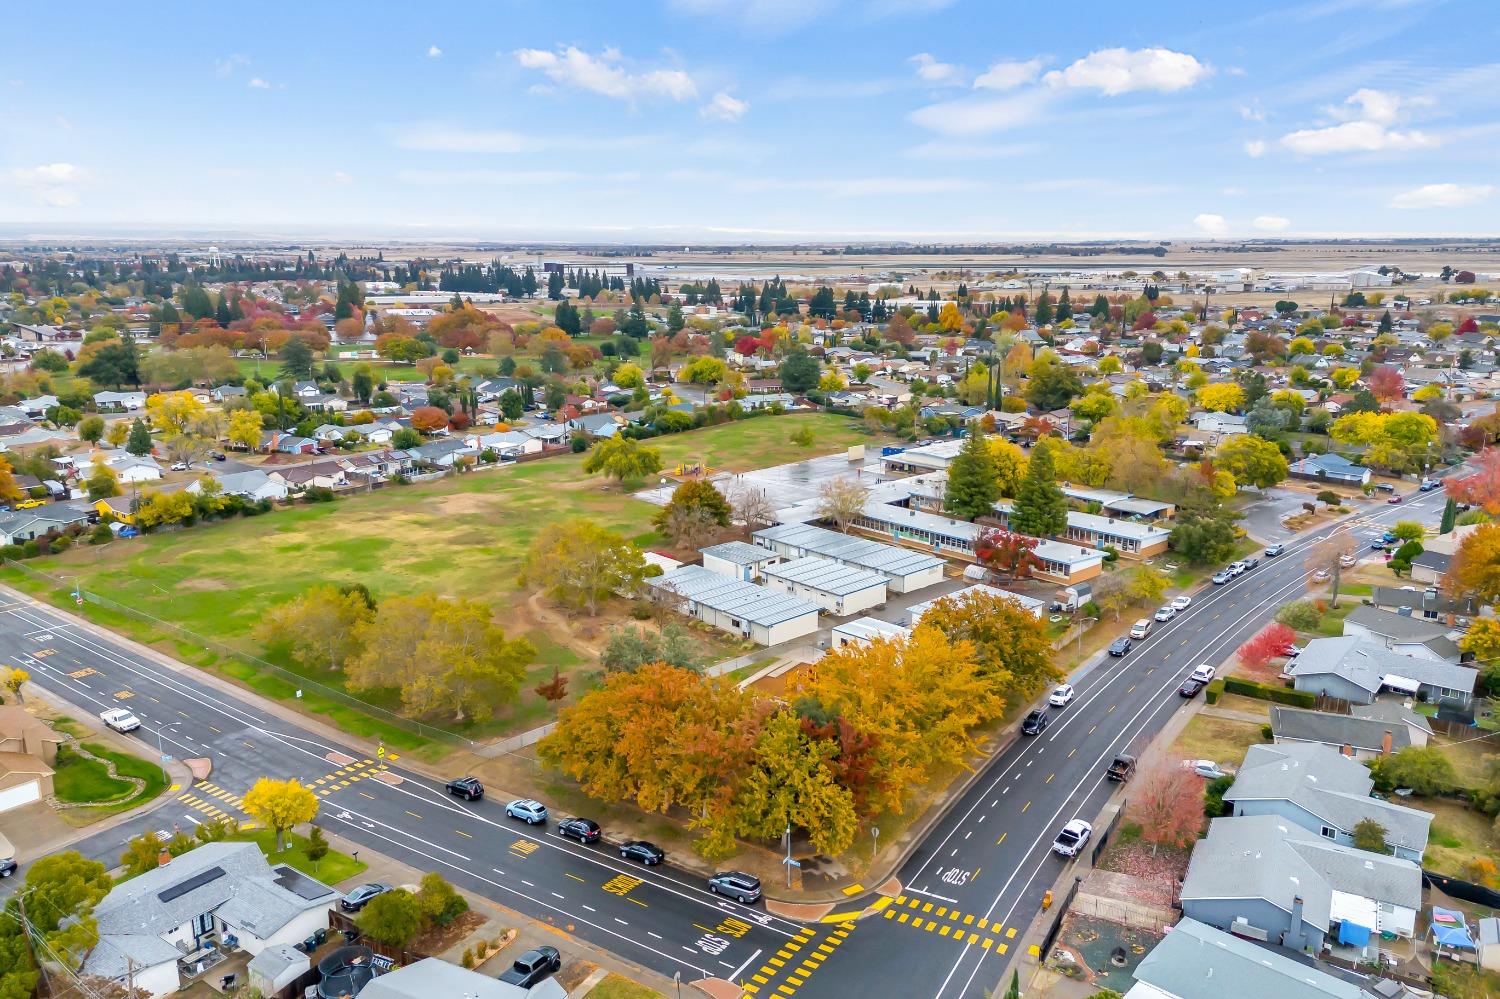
(971, 889)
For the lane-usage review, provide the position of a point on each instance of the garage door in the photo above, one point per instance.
(24, 794)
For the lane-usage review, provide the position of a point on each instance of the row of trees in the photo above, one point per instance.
(864, 725)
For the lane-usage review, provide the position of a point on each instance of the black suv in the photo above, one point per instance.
(533, 966)
(466, 787)
(1034, 722)
(647, 853)
(1119, 646)
(583, 830)
(736, 884)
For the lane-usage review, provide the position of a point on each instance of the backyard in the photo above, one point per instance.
(460, 536)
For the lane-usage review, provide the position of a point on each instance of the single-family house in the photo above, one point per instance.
(28, 525)
(596, 425)
(1325, 792)
(508, 444)
(165, 927)
(23, 732)
(1404, 633)
(253, 484)
(1220, 425)
(283, 443)
(24, 779)
(224, 393)
(1428, 603)
(376, 466)
(327, 474)
(1356, 669)
(444, 453)
(1269, 879)
(120, 402)
(1334, 468)
(550, 434)
(1430, 567)
(1375, 730)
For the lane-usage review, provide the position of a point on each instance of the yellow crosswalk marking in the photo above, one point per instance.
(945, 930)
(988, 943)
(1010, 934)
(969, 919)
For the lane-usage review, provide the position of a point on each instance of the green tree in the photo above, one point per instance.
(512, 406)
(320, 627)
(1450, 516)
(1051, 384)
(362, 384)
(1369, 835)
(1252, 460)
(1213, 796)
(1041, 509)
(973, 484)
(392, 918)
(622, 458)
(1204, 534)
(317, 845)
(696, 494)
(102, 482)
(1409, 530)
(296, 359)
(1301, 615)
(139, 441)
(800, 372)
(61, 892)
(631, 648)
(791, 783)
(581, 563)
(1424, 769)
(439, 901)
(91, 429)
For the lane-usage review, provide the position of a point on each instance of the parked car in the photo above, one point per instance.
(1251, 562)
(1182, 603)
(8, 866)
(1203, 672)
(528, 811)
(1072, 838)
(1142, 628)
(1221, 577)
(1236, 568)
(179, 466)
(1274, 550)
(1428, 485)
(1208, 769)
(1120, 768)
(1119, 646)
(736, 884)
(1322, 576)
(647, 853)
(533, 966)
(583, 830)
(466, 787)
(1189, 688)
(360, 897)
(1347, 561)
(1165, 613)
(120, 720)
(1061, 696)
(1034, 723)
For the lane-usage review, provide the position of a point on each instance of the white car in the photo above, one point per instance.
(120, 720)
(1072, 838)
(1236, 568)
(1203, 672)
(1182, 603)
(1062, 695)
(1206, 768)
(1165, 613)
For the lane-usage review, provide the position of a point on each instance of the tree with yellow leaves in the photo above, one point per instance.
(1221, 397)
(949, 318)
(279, 805)
(11, 678)
(174, 412)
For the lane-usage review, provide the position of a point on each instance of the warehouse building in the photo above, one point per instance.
(837, 588)
(740, 608)
(904, 570)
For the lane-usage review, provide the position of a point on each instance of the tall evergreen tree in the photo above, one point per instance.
(296, 358)
(1450, 515)
(1041, 509)
(973, 485)
(139, 441)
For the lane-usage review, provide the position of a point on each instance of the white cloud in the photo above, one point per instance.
(1255, 148)
(256, 83)
(1121, 71)
(859, 187)
(1008, 75)
(724, 107)
(226, 66)
(51, 184)
(942, 74)
(433, 52)
(1250, 112)
(340, 177)
(436, 137)
(1213, 225)
(1442, 195)
(980, 117)
(1271, 223)
(1379, 106)
(1353, 137)
(603, 74)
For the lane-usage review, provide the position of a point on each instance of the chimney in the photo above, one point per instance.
(1385, 743)
(163, 859)
(1294, 932)
(1348, 750)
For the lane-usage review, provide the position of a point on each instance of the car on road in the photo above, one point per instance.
(1252, 562)
(1395, 499)
(1182, 603)
(466, 787)
(1203, 672)
(1189, 688)
(1221, 577)
(528, 811)
(1034, 723)
(647, 853)
(1322, 576)
(120, 720)
(736, 885)
(1072, 838)
(1274, 550)
(1061, 696)
(1208, 768)
(1165, 612)
(360, 897)
(1236, 568)
(1119, 646)
(1142, 628)
(1120, 768)
(533, 966)
(581, 829)
(1428, 485)
(8, 866)
(1347, 561)
(179, 466)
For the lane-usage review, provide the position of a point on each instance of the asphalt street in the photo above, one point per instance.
(970, 891)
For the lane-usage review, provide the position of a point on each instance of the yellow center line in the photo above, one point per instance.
(1025, 806)
(573, 876)
(463, 834)
(412, 814)
(212, 729)
(638, 902)
(1049, 778)
(1130, 688)
(1000, 840)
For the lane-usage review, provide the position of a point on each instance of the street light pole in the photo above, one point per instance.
(160, 751)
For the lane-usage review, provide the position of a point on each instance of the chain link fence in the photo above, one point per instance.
(301, 683)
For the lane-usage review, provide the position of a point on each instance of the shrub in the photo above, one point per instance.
(468, 959)
(641, 610)
(1266, 733)
(1213, 795)
(1299, 614)
(62, 544)
(101, 535)
(1214, 690)
(317, 494)
(1266, 692)
(31, 549)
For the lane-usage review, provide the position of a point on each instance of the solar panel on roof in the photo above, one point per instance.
(300, 884)
(193, 883)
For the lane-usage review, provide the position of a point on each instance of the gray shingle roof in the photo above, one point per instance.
(1400, 627)
(1365, 663)
(1195, 960)
(1337, 730)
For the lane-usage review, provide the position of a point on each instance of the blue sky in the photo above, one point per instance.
(754, 119)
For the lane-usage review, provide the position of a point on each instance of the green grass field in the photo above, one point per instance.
(82, 780)
(464, 536)
(333, 868)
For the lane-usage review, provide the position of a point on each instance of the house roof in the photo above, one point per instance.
(887, 559)
(1392, 712)
(1195, 960)
(1324, 783)
(434, 977)
(1366, 664)
(1392, 596)
(1400, 627)
(1300, 725)
(739, 553)
(16, 722)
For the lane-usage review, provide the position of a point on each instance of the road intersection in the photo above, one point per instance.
(969, 891)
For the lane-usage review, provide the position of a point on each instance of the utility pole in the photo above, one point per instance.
(30, 945)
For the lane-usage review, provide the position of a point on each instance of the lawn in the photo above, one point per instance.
(331, 870)
(1458, 835)
(1222, 740)
(1471, 756)
(80, 780)
(618, 987)
(464, 536)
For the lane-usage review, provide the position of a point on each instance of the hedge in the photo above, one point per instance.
(1266, 692)
(1214, 691)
